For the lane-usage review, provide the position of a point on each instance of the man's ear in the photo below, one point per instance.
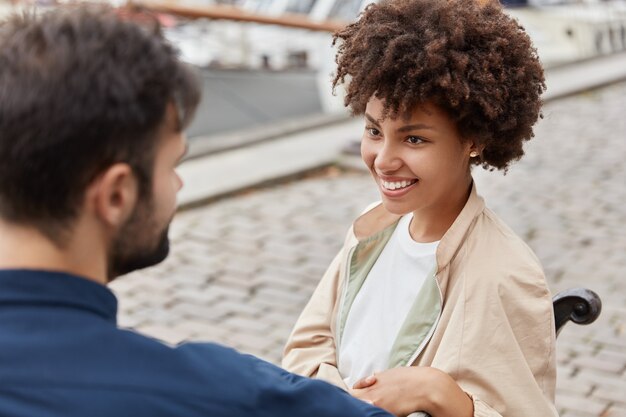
(113, 195)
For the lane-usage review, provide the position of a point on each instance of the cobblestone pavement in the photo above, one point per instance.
(242, 268)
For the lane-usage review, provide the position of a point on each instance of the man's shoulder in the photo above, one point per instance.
(194, 361)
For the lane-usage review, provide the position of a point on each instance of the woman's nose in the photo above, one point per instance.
(387, 159)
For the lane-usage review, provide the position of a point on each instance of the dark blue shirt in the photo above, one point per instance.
(62, 354)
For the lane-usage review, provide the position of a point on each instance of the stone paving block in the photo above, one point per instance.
(610, 349)
(249, 309)
(168, 335)
(225, 291)
(199, 311)
(158, 284)
(155, 314)
(187, 277)
(569, 385)
(241, 264)
(247, 325)
(283, 321)
(281, 295)
(297, 273)
(282, 247)
(600, 378)
(195, 296)
(600, 364)
(203, 330)
(279, 281)
(253, 341)
(564, 371)
(575, 350)
(247, 284)
(614, 342)
(612, 356)
(291, 309)
(614, 394)
(576, 404)
(128, 283)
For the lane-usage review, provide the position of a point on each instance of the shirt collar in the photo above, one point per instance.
(49, 288)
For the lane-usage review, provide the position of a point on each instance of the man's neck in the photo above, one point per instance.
(23, 247)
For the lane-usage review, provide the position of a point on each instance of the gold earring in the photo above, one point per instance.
(473, 154)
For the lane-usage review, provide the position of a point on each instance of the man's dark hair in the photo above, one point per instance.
(81, 89)
(472, 60)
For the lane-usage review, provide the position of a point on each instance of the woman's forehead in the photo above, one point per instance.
(376, 108)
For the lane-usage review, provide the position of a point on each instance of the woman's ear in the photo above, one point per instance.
(475, 149)
(113, 195)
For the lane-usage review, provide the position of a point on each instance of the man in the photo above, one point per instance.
(92, 109)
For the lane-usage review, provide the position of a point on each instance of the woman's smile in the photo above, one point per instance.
(396, 187)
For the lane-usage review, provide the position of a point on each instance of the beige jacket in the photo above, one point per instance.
(484, 316)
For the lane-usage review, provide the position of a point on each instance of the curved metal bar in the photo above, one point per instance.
(580, 305)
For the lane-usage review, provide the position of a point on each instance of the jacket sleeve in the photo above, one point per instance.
(280, 393)
(310, 350)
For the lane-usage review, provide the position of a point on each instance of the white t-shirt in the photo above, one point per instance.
(382, 304)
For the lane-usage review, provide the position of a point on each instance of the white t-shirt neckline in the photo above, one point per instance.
(409, 246)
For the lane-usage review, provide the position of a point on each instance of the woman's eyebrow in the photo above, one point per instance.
(372, 120)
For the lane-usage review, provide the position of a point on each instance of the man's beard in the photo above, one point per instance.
(136, 246)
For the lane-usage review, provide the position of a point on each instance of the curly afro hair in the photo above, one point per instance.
(472, 60)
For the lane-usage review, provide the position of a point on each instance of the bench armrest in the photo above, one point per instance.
(580, 305)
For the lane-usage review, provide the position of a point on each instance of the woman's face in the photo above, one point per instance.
(419, 161)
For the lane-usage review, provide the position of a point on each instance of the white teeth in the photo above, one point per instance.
(397, 185)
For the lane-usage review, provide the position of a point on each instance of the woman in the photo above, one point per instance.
(434, 304)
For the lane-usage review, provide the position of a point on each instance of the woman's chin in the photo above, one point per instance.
(395, 207)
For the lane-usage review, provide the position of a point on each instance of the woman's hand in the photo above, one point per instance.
(398, 390)
(404, 390)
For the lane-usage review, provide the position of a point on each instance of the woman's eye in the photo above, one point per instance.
(372, 131)
(414, 140)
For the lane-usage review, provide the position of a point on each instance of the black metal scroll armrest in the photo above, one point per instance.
(580, 305)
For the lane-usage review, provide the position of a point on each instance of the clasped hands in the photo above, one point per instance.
(405, 390)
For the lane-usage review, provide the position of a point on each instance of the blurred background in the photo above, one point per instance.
(267, 61)
(273, 179)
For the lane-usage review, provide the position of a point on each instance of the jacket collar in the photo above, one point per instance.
(38, 288)
(452, 239)
(378, 219)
